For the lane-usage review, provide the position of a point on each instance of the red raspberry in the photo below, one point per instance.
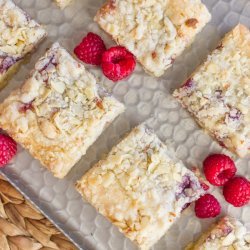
(218, 169)
(117, 63)
(207, 206)
(8, 149)
(90, 50)
(237, 191)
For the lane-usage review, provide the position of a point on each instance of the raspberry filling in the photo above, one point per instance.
(204, 186)
(189, 86)
(234, 114)
(227, 230)
(189, 83)
(47, 63)
(186, 187)
(186, 184)
(6, 62)
(25, 106)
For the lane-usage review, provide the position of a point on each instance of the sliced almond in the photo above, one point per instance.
(58, 86)
(48, 128)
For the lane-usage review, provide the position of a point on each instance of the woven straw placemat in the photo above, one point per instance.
(22, 227)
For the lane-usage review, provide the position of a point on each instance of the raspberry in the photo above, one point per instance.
(8, 149)
(218, 169)
(90, 50)
(207, 206)
(237, 191)
(117, 63)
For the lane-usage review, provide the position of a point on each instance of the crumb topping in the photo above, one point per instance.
(154, 31)
(218, 93)
(148, 186)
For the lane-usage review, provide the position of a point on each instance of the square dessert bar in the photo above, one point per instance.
(19, 34)
(218, 93)
(140, 187)
(227, 234)
(63, 3)
(59, 111)
(156, 32)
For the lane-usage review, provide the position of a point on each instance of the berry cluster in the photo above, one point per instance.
(220, 170)
(117, 62)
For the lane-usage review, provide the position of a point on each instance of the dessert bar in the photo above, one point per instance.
(140, 187)
(218, 93)
(59, 111)
(19, 34)
(227, 234)
(156, 32)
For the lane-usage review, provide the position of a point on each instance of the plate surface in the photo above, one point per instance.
(146, 98)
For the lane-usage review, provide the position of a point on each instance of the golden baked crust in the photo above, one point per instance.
(140, 187)
(19, 35)
(58, 113)
(156, 32)
(218, 93)
(227, 234)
